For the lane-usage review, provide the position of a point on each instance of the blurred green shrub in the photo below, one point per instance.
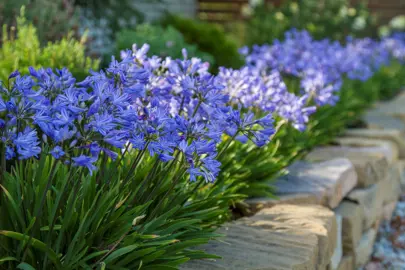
(209, 38)
(21, 49)
(163, 41)
(53, 19)
(117, 13)
(323, 19)
(102, 19)
(396, 24)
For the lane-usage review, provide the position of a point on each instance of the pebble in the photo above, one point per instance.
(389, 248)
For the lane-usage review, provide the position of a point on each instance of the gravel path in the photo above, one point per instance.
(389, 249)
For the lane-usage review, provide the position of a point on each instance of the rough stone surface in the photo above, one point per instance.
(390, 188)
(310, 219)
(257, 204)
(377, 120)
(370, 166)
(400, 166)
(394, 135)
(365, 247)
(329, 181)
(352, 225)
(394, 108)
(347, 263)
(371, 202)
(388, 210)
(338, 252)
(388, 148)
(246, 247)
(278, 238)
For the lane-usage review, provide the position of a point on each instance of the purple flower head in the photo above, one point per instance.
(27, 144)
(85, 161)
(57, 152)
(14, 74)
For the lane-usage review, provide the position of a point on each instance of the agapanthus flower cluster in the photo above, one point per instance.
(320, 67)
(162, 106)
(395, 45)
(253, 88)
(167, 107)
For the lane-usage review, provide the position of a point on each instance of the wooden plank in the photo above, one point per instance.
(224, 1)
(219, 11)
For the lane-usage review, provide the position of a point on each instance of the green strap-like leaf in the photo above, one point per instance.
(25, 266)
(36, 244)
(7, 259)
(120, 252)
(160, 267)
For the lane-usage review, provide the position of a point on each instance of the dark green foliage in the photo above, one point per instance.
(209, 38)
(52, 18)
(116, 12)
(323, 19)
(59, 217)
(163, 42)
(22, 49)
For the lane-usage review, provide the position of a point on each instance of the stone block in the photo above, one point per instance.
(390, 188)
(386, 147)
(393, 108)
(279, 238)
(365, 247)
(329, 181)
(347, 263)
(246, 248)
(257, 204)
(388, 210)
(377, 120)
(338, 252)
(371, 202)
(352, 225)
(393, 135)
(400, 166)
(310, 219)
(371, 167)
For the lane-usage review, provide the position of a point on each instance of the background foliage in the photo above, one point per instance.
(323, 19)
(163, 42)
(53, 19)
(22, 49)
(209, 38)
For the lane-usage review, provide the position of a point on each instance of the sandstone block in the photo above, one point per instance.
(329, 181)
(394, 135)
(370, 166)
(245, 247)
(257, 204)
(279, 238)
(388, 148)
(347, 263)
(371, 202)
(400, 166)
(338, 252)
(311, 219)
(352, 225)
(365, 247)
(394, 107)
(377, 120)
(388, 210)
(390, 188)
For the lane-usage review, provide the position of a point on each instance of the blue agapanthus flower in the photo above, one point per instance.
(57, 152)
(85, 161)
